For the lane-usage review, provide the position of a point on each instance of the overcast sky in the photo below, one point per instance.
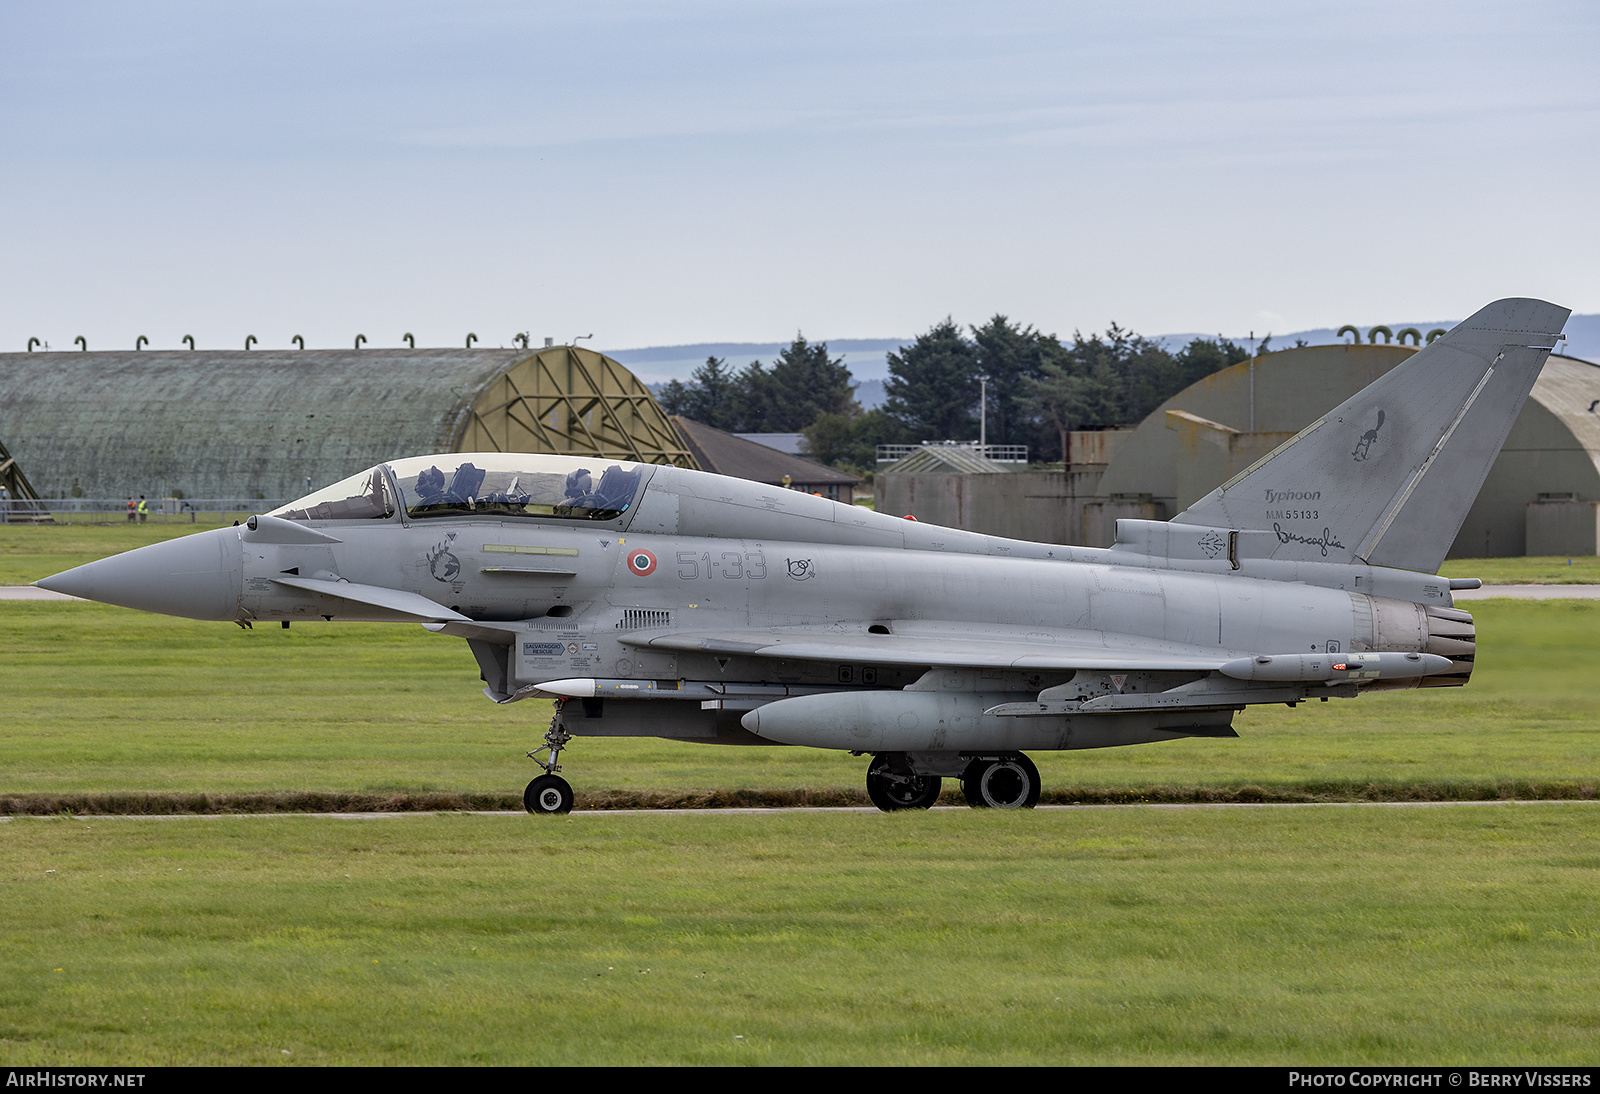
(658, 173)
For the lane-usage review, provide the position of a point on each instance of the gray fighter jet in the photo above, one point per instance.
(659, 602)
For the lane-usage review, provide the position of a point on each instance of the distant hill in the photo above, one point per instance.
(1583, 336)
(658, 364)
(867, 357)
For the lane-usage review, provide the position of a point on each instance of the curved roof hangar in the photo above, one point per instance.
(261, 423)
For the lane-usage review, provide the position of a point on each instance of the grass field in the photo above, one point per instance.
(102, 699)
(1321, 934)
(31, 551)
(105, 699)
(1577, 570)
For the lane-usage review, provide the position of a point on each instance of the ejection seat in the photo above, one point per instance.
(465, 484)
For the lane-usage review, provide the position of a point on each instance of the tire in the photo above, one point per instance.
(548, 794)
(1009, 782)
(892, 793)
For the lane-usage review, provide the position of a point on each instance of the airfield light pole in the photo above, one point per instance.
(983, 416)
(1252, 381)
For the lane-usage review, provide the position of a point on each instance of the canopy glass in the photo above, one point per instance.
(479, 484)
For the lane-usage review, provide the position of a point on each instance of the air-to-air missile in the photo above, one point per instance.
(661, 602)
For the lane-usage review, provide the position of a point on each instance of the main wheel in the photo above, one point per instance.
(890, 791)
(1011, 782)
(548, 794)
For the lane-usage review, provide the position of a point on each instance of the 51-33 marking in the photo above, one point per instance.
(732, 565)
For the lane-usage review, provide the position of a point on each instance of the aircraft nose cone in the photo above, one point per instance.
(194, 576)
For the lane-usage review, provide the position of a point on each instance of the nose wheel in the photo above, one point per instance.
(550, 793)
(1006, 782)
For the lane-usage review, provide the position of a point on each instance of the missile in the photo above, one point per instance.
(587, 688)
(1337, 667)
(712, 695)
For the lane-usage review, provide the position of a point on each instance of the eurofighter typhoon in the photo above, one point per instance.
(660, 602)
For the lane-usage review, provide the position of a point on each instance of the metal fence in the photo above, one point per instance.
(999, 453)
(111, 510)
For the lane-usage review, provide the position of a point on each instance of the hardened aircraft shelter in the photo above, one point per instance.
(1541, 497)
(265, 423)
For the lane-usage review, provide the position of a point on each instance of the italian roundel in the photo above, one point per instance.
(641, 562)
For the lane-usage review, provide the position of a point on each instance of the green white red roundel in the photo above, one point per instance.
(641, 562)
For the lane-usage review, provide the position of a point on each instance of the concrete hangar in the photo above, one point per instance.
(1541, 497)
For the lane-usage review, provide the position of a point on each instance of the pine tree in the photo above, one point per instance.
(712, 396)
(933, 385)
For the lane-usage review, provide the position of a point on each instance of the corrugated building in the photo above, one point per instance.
(261, 423)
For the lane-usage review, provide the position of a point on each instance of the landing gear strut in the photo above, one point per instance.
(550, 793)
(890, 789)
(1006, 782)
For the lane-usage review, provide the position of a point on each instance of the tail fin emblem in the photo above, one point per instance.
(1368, 439)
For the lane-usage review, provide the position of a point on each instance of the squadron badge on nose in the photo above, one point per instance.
(442, 563)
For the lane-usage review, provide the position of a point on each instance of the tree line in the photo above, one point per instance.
(1040, 388)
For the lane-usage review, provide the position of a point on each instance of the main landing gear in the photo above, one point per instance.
(896, 780)
(550, 793)
(1009, 782)
(891, 789)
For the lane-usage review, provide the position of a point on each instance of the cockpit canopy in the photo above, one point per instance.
(477, 485)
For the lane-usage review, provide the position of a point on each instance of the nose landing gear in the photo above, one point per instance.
(550, 793)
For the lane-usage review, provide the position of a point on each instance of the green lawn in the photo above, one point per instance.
(106, 699)
(1323, 934)
(1576, 570)
(31, 551)
(102, 699)
(1305, 935)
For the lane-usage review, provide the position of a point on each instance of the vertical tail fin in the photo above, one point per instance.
(1387, 477)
